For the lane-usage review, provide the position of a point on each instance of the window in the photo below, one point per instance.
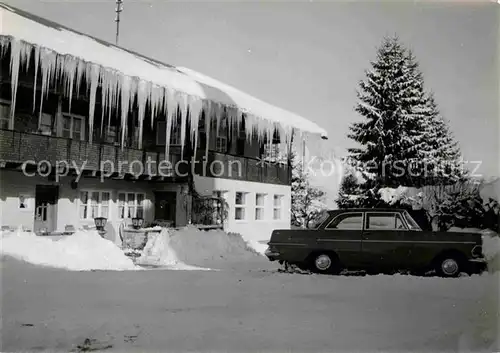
(386, 221)
(260, 202)
(221, 144)
(322, 217)
(72, 127)
(218, 206)
(241, 140)
(411, 222)
(347, 221)
(221, 136)
(46, 124)
(4, 115)
(240, 202)
(271, 152)
(110, 135)
(161, 133)
(94, 204)
(277, 207)
(130, 205)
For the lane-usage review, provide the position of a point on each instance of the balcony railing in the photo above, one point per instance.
(21, 147)
(229, 166)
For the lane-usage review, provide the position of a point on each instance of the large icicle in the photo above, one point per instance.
(170, 107)
(48, 65)
(37, 63)
(143, 94)
(125, 86)
(208, 126)
(183, 108)
(80, 71)
(156, 102)
(15, 58)
(93, 74)
(195, 108)
(121, 90)
(70, 68)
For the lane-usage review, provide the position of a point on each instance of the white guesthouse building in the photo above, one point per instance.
(89, 129)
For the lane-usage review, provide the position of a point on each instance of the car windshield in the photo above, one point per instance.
(411, 222)
(315, 223)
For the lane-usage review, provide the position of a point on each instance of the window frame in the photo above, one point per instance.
(7, 103)
(73, 116)
(221, 134)
(395, 214)
(175, 133)
(260, 207)
(279, 207)
(89, 203)
(135, 207)
(344, 214)
(243, 206)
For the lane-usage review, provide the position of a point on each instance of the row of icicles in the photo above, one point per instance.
(119, 90)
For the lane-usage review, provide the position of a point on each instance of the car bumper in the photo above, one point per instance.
(478, 265)
(272, 255)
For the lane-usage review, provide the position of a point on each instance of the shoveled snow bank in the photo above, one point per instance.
(209, 248)
(258, 246)
(158, 252)
(491, 250)
(82, 251)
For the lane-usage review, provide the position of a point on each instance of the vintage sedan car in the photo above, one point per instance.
(375, 240)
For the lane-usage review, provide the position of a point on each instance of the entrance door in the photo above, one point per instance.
(165, 206)
(46, 207)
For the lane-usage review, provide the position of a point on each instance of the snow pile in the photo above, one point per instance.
(209, 248)
(491, 250)
(391, 195)
(158, 252)
(82, 251)
(258, 246)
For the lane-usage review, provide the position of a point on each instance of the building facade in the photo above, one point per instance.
(66, 158)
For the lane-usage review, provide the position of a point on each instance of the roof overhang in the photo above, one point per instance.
(31, 30)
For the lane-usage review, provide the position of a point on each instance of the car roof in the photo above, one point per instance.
(367, 210)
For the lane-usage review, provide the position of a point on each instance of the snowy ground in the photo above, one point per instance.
(245, 305)
(252, 309)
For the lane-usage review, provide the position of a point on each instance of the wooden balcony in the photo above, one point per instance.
(112, 161)
(221, 165)
(17, 148)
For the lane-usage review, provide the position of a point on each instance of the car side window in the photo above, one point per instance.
(348, 221)
(385, 221)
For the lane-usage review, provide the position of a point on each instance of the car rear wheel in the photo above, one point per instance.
(448, 266)
(325, 263)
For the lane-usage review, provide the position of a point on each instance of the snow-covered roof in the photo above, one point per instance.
(125, 74)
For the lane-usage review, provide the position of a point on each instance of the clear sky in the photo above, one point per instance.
(308, 57)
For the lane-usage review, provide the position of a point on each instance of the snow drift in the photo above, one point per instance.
(82, 251)
(159, 253)
(491, 250)
(210, 248)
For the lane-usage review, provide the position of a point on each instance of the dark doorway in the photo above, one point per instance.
(46, 207)
(165, 206)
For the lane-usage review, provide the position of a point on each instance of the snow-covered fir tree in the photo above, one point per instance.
(398, 138)
(444, 150)
(307, 200)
